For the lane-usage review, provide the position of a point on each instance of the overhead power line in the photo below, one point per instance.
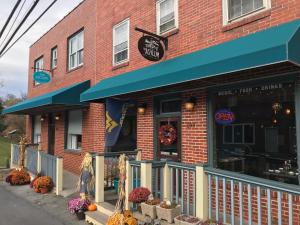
(36, 20)
(13, 24)
(19, 26)
(9, 17)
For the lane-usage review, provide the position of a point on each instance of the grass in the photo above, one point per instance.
(4, 151)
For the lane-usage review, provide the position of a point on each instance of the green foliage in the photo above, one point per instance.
(4, 151)
(2, 124)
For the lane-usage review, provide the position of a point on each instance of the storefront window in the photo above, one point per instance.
(74, 130)
(36, 129)
(254, 131)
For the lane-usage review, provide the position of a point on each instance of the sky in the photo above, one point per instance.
(14, 64)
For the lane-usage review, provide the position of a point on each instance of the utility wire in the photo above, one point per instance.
(12, 24)
(19, 26)
(37, 19)
(9, 17)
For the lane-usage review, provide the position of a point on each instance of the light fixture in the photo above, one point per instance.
(142, 108)
(57, 117)
(288, 111)
(276, 107)
(42, 118)
(190, 104)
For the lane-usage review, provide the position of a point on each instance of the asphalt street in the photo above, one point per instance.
(17, 211)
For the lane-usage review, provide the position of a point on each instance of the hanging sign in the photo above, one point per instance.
(224, 117)
(41, 77)
(150, 48)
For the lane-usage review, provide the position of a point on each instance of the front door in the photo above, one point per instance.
(51, 133)
(169, 138)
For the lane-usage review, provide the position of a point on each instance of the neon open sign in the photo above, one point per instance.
(224, 116)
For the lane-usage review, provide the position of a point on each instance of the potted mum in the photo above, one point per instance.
(186, 220)
(18, 177)
(211, 222)
(168, 211)
(139, 195)
(43, 184)
(149, 207)
(78, 206)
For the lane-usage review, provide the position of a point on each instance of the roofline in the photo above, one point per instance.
(57, 23)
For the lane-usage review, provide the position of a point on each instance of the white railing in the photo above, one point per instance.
(241, 199)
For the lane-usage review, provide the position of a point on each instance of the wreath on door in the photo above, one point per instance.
(167, 134)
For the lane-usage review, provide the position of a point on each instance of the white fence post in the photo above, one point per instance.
(166, 182)
(39, 162)
(11, 156)
(128, 185)
(201, 193)
(59, 175)
(146, 175)
(99, 177)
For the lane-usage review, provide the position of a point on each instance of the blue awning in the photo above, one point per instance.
(67, 97)
(271, 46)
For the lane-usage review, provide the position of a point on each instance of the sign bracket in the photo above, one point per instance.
(41, 69)
(161, 38)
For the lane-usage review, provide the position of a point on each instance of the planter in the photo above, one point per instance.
(168, 214)
(116, 185)
(186, 220)
(149, 210)
(80, 215)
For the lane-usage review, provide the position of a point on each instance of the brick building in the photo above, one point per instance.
(228, 84)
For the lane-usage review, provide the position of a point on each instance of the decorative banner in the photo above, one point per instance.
(150, 48)
(41, 77)
(115, 114)
(224, 117)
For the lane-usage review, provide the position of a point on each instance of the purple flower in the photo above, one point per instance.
(78, 204)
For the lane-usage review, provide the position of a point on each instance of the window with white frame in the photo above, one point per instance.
(75, 50)
(53, 57)
(36, 125)
(38, 66)
(74, 130)
(235, 9)
(167, 15)
(239, 134)
(121, 42)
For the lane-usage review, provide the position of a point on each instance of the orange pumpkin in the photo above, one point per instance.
(92, 207)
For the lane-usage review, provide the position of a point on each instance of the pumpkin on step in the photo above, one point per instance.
(92, 207)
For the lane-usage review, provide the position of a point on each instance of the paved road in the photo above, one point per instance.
(17, 211)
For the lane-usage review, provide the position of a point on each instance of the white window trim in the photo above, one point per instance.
(176, 14)
(52, 58)
(39, 68)
(225, 12)
(78, 50)
(243, 138)
(128, 38)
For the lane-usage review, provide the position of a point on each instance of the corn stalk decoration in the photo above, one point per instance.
(23, 143)
(120, 206)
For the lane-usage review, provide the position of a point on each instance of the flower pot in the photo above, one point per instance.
(149, 210)
(44, 190)
(116, 185)
(168, 214)
(80, 215)
(186, 220)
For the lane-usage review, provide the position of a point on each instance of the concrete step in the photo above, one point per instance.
(96, 218)
(105, 208)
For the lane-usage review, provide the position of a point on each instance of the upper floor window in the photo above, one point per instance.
(121, 42)
(75, 50)
(38, 65)
(53, 57)
(167, 15)
(235, 9)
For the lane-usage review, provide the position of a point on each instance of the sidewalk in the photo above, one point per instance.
(54, 205)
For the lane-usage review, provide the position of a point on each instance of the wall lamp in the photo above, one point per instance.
(142, 108)
(57, 117)
(43, 118)
(190, 104)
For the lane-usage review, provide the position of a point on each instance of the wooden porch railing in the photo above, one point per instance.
(251, 200)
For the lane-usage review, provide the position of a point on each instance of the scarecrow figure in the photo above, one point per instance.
(87, 179)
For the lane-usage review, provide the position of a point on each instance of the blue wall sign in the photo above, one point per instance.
(224, 116)
(41, 77)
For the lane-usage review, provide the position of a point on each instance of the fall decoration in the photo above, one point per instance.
(18, 177)
(43, 184)
(23, 143)
(167, 134)
(168, 205)
(130, 221)
(86, 181)
(92, 207)
(32, 182)
(149, 207)
(211, 222)
(127, 214)
(139, 195)
(77, 204)
(186, 220)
